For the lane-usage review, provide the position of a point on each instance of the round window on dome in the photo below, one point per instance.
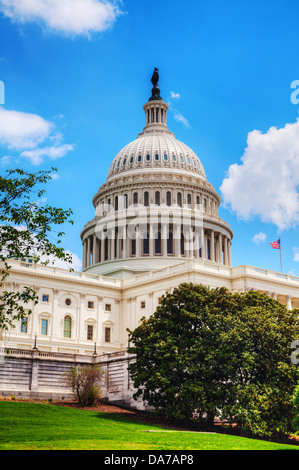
(188, 160)
(139, 158)
(131, 159)
(156, 157)
(118, 164)
(148, 157)
(165, 157)
(182, 159)
(124, 162)
(173, 158)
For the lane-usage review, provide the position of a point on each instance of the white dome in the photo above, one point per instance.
(156, 150)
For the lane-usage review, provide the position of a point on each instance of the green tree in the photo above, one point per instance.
(205, 352)
(26, 229)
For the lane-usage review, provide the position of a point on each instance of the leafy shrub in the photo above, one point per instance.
(86, 384)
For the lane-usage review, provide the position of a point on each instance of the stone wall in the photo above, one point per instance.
(40, 375)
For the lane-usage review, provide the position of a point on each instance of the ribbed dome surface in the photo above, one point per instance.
(156, 151)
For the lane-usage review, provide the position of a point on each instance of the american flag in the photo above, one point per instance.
(276, 244)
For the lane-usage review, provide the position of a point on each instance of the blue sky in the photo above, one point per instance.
(76, 80)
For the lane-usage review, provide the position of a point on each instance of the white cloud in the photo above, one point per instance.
(176, 114)
(265, 184)
(76, 263)
(37, 156)
(296, 253)
(22, 130)
(26, 132)
(70, 17)
(175, 95)
(6, 160)
(180, 118)
(259, 238)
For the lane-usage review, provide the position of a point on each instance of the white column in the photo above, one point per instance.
(138, 245)
(289, 302)
(128, 243)
(94, 245)
(88, 252)
(212, 246)
(103, 249)
(112, 245)
(164, 240)
(84, 255)
(177, 241)
(225, 252)
(203, 244)
(230, 253)
(220, 249)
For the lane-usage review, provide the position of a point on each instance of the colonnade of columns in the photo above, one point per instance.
(155, 113)
(289, 301)
(207, 245)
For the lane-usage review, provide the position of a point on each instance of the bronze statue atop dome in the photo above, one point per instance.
(155, 77)
(156, 90)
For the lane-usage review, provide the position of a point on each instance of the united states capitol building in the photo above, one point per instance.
(156, 226)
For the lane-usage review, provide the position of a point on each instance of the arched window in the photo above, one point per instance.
(106, 248)
(168, 198)
(67, 327)
(135, 198)
(182, 244)
(146, 244)
(197, 200)
(170, 243)
(146, 199)
(189, 200)
(157, 198)
(116, 203)
(158, 243)
(179, 199)
(126, 201)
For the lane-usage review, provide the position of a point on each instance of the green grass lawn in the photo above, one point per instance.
(30, 426)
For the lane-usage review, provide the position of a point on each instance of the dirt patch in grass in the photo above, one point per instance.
(101, 407)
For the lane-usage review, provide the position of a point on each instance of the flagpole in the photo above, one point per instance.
(280, 256)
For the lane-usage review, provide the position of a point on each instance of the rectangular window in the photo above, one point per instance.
(45, 298)
(90, 332)
(90, 304)
(108, 307)
(142, 304)
(44, 327)
(24, 325)
(107, 335)
(159, 300)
